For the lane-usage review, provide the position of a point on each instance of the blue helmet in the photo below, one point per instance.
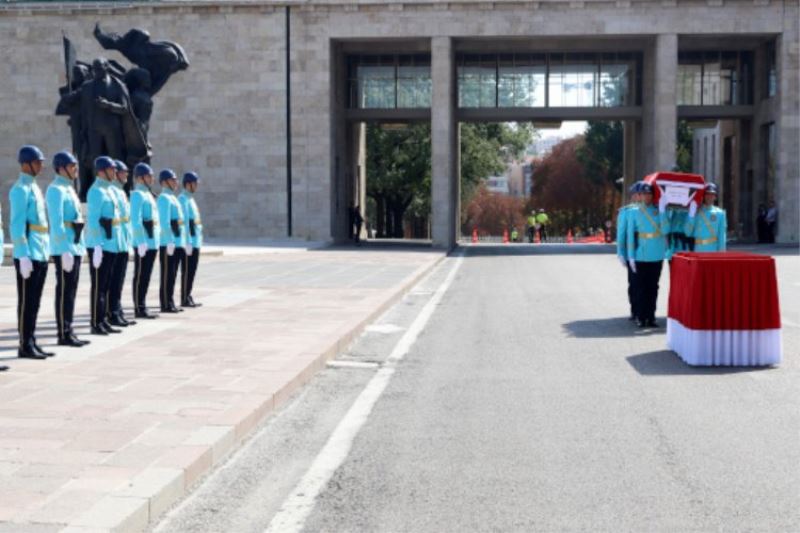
(166, 174)
(634, 188)
(142, 169)
(104, 163)
(62, 159)
(645, 188)
(711, 188)
(120, 166)
(190, 177)
(29, 153)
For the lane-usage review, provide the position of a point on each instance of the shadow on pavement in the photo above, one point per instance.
(667, 363)
(607, 328)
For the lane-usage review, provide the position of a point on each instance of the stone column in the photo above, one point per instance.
(660, 105)
(787, 172)
(445, 179)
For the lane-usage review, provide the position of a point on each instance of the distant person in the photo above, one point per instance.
(772, 222)
(514, 235)
(357, 221)
(531, 226)
(761, 224)
(543, 221)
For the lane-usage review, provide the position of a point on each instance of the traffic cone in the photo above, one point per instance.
(474, 235)
(538, 239)
(569, 237)
(505, 236)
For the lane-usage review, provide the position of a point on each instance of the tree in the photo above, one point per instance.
(683, 148)
(601, 152)
(491, 213)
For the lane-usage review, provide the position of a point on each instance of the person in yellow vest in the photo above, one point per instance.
(543, 220)
(707, 225)
(531, 225)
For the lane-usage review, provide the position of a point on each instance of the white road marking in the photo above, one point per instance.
(384, 328)
(351, 364)
(298, 505)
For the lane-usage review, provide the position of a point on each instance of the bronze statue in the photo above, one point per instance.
(109, 107)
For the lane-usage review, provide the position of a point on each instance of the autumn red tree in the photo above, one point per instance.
(569, 197)
(491, 213)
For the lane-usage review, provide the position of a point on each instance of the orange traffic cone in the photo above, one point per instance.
(569, 237)
(538, 239)
(505, 236)
(474, 235)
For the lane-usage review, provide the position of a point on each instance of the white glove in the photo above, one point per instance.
(692, 209)
(142, 249)
(622, 261)
(67, 261)
(632, 263)
(170, 249)
(662, 203)
(189, 249)
(97, 256)
(25, 267)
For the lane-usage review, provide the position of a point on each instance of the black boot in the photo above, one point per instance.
(82, 342)
(3, 368)
(108, 329)
(99, 330)
(27, 351)
(145, 314)
(42, 352)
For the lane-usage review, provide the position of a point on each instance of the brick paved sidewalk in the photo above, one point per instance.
(108, 436)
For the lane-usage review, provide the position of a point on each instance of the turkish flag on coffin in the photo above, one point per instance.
(724, 309)
(682, 187)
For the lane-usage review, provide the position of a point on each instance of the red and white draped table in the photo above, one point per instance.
(724, 309)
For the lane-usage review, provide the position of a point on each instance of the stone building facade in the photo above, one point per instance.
(226, 117)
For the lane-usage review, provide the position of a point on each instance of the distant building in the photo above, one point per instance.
(498, 184)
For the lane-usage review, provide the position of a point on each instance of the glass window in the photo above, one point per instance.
(614, 85)
(573, 85)
(714, 78)
(414, 82)
(772, 70)
(690, 79)
(477, 81)
(521, 81)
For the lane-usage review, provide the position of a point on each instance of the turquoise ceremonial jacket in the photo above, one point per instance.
(29, 231)
(646, 234)
(191, 212)
(102, 203)
(709, 227)
(143, 207)
(622, 230)
(63, 210)
(169, 209)
(124, 214)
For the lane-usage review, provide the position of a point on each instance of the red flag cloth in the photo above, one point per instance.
(724, 291)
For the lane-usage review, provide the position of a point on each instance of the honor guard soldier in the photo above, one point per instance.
(622, 242)
(114, 313)
(646, 249)
(66, 242)
(172, 239)
(30, 235)
(144, 221)
(194, 238)
(708, 224)
(104, 238)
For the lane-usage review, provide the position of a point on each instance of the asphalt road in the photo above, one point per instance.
(530, 403)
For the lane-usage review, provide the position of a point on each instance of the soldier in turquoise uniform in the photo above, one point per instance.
(172, 238)
(193, 228)
(30, 235)
(66, 242)
(104, 238)
(646, 249)
(114, 313)
(144, 221)
(622, 244)
(708, 225)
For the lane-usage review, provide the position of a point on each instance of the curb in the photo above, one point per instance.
(155, 490)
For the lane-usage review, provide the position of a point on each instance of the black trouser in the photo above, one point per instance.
(142, 270)
(101, 279)
(188, 271)
(66, 289)
(632, 292)
(169, 271)
(115, 285)
(647, 275)
(29, 295)
(543, 233)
